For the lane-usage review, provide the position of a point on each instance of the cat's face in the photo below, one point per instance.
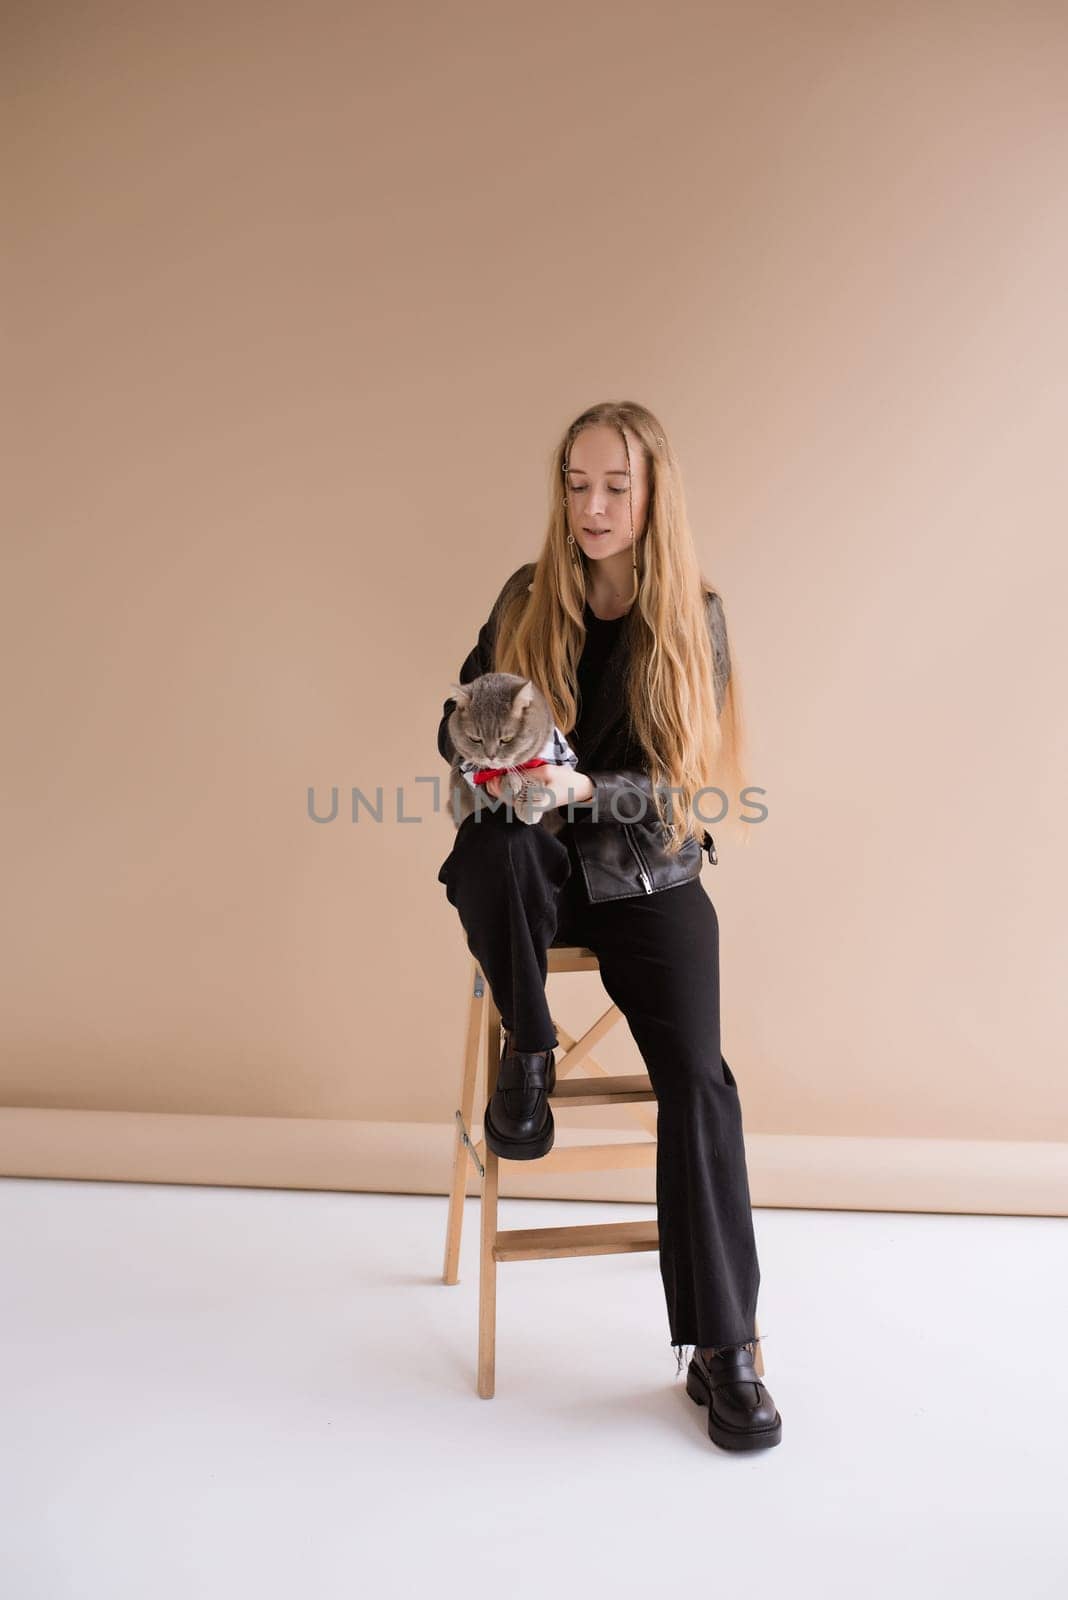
(500, 719)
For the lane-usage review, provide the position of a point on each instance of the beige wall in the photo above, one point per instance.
(299, 305)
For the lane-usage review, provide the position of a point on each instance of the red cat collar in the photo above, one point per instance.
(483, 774)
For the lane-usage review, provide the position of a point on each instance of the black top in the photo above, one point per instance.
(600, 636)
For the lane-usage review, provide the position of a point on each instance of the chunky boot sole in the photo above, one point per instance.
(731, 1438)
(523, 1149)
(519, 1149)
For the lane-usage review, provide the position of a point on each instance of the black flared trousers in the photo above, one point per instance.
(518, 890)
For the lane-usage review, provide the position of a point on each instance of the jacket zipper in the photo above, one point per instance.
(647, 882)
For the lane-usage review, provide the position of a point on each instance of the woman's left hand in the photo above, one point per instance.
(551, 786)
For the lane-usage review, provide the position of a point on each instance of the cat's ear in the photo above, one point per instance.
(459, 692)
(522, 697)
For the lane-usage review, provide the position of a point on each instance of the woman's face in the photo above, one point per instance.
(596, 490)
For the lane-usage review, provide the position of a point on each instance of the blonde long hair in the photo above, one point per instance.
(670, 685)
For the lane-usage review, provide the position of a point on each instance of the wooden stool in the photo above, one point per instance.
(596, 1088)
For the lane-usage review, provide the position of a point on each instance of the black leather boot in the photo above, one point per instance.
(741, 1412)
(518, 1124)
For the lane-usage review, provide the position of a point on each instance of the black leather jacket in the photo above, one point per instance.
(619, 857)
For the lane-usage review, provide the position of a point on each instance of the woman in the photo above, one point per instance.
(616, 627)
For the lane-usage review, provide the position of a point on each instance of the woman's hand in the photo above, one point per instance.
(550, 786)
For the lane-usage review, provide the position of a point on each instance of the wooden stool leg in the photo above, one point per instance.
(460, 1158)
(487, 1282)
(758, 1363)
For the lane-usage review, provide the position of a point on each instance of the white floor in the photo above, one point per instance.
(238, 1393)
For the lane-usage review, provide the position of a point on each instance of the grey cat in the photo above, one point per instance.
(500, 720)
